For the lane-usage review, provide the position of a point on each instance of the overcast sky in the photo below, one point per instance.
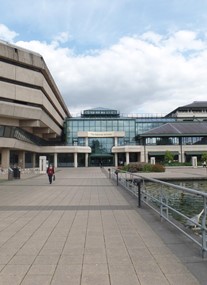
(136, 56)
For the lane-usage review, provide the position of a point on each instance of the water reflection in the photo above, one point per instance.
(185, 203)
(200, 185)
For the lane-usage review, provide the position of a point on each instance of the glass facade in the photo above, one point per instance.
(22, 135)
(131, 126)
(162, 141)
(194, 140)
(146, 124)
(75, 125)
(103, 121)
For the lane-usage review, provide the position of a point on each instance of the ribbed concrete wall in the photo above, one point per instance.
(28, 93)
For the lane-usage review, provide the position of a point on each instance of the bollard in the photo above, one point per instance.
(117, 177)
(138, 181)
(109, 170)
(10, 174)
(139, 194)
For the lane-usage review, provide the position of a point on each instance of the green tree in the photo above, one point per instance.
(204, 156)
(168, 156)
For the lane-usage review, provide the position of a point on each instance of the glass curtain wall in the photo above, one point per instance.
(101, 147)
(74, 125)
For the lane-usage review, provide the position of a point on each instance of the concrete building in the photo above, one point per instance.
(35, 122)
(32, 111)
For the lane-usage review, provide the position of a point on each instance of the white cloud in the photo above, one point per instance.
(6, 34)
(142, 74)
(185, 41)
(60, 38)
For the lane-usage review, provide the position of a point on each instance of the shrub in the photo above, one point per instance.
(143, 167)
(158, 168)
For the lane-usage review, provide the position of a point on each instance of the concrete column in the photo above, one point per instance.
(75, 160)
(115, 141)
(21, 159)
(152, 160)
(116, 159)
(183, 157)
(146, 157)
(194, 161)
(5, 158)
(127, 158)
(86, 160)
(55, 160)
(43, 164)
(86, 141)
(142, 158)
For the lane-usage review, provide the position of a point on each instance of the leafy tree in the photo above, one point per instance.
(204, 156)
(168, 156)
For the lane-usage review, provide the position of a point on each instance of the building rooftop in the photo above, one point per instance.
(178, 129)
(194, 106)
(100, 112)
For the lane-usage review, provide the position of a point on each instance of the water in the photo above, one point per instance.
(189, 205)
(200, 185)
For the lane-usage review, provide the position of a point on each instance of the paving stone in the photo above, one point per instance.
(83, 230)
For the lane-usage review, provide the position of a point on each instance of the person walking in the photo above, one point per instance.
(50, 173)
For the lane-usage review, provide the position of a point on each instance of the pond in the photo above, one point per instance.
(190, 205)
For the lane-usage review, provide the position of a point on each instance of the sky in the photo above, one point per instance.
(134, 56)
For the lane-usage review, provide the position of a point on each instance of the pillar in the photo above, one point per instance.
(86, 160)
(43, 164)
(152, 160)
(146, 157)
(116, 159)
(21, 159)
(142, 156)
(194, 162)
(55, 160)
(127, 157)
(5, 158)
(181, 156)
(75, 160)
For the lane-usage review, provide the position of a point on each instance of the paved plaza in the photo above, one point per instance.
(83, 230)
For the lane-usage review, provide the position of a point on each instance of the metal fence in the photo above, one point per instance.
(162, 198)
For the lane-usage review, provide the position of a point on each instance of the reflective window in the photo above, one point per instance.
(81, 141)
(194, 140)
(101, 145)
(162, 141)
(1, 131)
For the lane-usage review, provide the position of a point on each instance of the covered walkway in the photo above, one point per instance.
(83, 230)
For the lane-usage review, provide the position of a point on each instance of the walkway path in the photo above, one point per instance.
(180, 173)
(83, 230)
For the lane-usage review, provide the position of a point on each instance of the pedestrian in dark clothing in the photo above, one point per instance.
(50, 173)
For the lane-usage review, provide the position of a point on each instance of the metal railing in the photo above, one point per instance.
(160, 197)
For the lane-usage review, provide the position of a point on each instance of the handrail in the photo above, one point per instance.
(136, 184)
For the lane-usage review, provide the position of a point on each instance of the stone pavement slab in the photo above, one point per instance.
(83, 230)
(176, 173)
